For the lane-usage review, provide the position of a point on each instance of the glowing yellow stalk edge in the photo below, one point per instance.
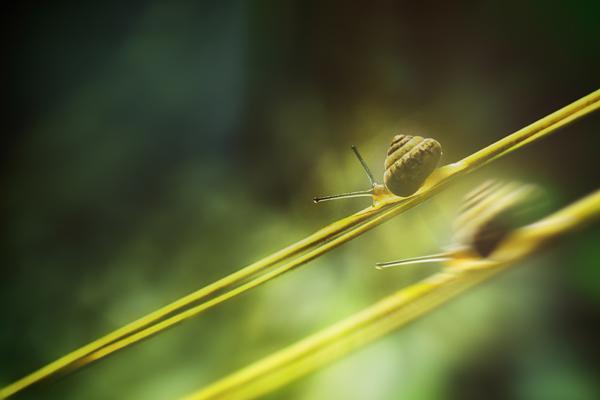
(396, 310)
(321, 241)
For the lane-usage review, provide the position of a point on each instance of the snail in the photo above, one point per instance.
(409, 161)
(487, 216)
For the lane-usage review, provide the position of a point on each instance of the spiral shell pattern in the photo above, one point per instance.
(410, 160)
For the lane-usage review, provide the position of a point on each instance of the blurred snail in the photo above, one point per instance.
(409, 161)
(487, 216)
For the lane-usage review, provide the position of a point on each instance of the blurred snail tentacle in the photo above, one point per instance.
(414, 260)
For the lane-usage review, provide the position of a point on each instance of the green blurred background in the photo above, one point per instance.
(150, 148)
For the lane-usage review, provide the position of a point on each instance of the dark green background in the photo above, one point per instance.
(150, 148)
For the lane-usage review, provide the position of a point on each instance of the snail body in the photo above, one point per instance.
(408, 163)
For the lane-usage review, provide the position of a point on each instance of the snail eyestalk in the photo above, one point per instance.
(364, 165)
(414, 260)
(362, 193)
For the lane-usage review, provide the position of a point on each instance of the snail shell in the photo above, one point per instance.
(490, 213)
(410, 160)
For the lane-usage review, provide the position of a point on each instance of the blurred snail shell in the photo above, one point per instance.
(410, 160)
(490, 213)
